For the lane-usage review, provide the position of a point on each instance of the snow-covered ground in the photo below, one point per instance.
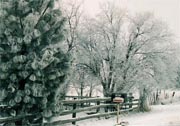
(161, 115)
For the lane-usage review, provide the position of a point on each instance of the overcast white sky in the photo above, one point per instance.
(167, 10)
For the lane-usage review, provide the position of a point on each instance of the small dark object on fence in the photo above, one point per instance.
(90, 113)
(173, 94)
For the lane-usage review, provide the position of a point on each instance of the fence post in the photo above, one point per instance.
(74, 114)
(118, 112)
(98, 109)
(130, 100)
(82, 104)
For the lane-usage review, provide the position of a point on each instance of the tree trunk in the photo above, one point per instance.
(91, 90)
(82, 89)
(157, 96)
(106, 94)
(144, 103)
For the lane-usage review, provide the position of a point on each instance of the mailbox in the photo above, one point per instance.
(118, 100)
(119, 95)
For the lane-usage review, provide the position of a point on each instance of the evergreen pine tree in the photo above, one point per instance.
(31, 68)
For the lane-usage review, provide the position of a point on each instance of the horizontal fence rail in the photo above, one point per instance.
(16, 118)
(85, 100)
(85, 109)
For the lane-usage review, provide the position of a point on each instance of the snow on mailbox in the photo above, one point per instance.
(118, 100)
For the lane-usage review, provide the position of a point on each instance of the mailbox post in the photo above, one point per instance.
(118, 100)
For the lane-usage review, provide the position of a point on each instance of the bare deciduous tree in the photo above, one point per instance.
(73, 12)
(120, 50)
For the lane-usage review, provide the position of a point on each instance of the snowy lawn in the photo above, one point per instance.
(161, 115)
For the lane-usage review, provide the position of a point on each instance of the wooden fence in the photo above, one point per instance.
(102, 107)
